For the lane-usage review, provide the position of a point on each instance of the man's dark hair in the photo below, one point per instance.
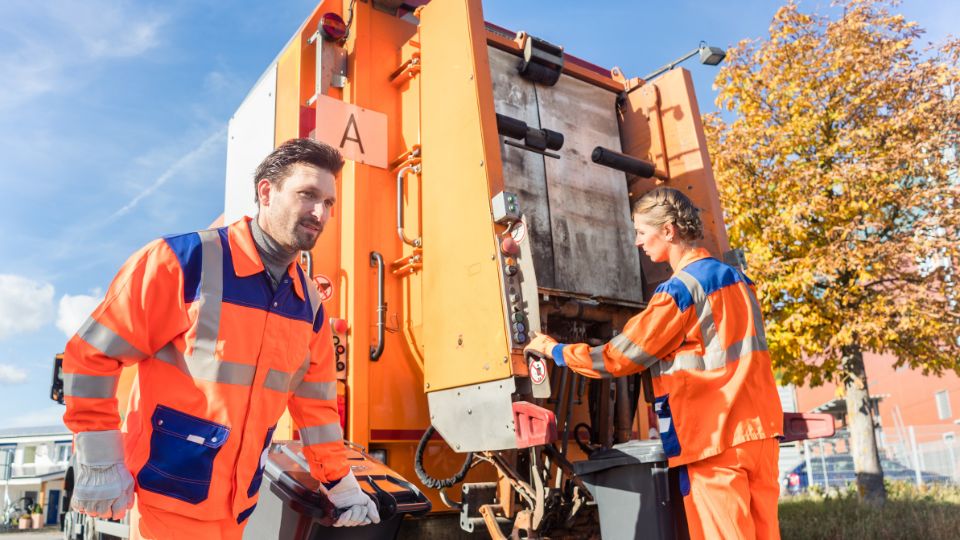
(276, 166)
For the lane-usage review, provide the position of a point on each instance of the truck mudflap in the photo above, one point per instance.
(291, 505)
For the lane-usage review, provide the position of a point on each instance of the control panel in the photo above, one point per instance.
(506, 211)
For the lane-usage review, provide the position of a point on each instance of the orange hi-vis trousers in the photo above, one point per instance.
(147, 523)
(733, 495)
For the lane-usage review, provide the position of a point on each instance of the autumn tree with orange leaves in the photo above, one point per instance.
(836, 162)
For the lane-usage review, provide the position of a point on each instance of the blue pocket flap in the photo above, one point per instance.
(189, 428)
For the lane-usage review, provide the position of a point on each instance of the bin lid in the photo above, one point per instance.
(628, 453)
(287, 470)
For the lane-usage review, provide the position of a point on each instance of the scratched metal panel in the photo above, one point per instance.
(523, 172)
(578, 214)
(589, 204)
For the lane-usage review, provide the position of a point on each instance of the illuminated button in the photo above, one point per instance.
(520, 338)
(518, 316)
(519, 327)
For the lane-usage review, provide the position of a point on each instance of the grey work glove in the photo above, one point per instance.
(103, 486)
(357, 508)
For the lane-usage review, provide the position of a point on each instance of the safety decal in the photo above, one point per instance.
(538, 371)
(324, 285)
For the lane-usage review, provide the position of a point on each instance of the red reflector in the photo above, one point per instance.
(535, 426)
(794, 479)
(332, 27)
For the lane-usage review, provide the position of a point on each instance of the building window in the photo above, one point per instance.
(943, 405)
(63, 453)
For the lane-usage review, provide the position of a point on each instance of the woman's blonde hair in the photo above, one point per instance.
(664, 205)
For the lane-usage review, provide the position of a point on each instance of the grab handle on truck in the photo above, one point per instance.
(376, 350)
(416, 242)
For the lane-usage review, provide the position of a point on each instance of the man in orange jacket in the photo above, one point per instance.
(227, 332)
(702, 338)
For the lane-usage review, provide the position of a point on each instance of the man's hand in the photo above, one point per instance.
(104, 486)
(357, 508)
(544, 345)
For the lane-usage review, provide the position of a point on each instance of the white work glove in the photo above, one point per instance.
(356, 507)
(103, 486)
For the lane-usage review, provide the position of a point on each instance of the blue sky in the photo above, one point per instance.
(113, 122)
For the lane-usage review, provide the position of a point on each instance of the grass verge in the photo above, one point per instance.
(931, 513)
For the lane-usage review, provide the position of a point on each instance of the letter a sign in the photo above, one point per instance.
(360, 134)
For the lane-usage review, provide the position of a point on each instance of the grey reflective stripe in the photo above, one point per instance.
(211, 298)
(220, 371)
(596, 356)
(317, 390)
(631, 350)
(321, 434)
(89, 386)
(300, 373)
(278, 381)
(695, 362)
(107, 341)
(202, 363)
(312, 293)
(758, 330)
(708, 328)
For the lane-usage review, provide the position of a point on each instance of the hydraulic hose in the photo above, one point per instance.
(430, 481)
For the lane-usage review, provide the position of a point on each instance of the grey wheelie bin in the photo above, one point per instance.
(631, 486)
(291, 507)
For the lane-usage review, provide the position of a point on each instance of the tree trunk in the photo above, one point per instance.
(863, 441)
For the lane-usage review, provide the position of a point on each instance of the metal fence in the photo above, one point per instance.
(919, 454)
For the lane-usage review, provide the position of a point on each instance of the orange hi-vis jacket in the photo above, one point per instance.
(701, 336)
(220, 356)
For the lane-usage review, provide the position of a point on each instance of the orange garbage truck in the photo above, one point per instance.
(486, 196)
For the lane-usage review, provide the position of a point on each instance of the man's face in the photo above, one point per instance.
(652, 239)
(295, 213)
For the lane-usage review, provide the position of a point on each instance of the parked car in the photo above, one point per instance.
(840, 473)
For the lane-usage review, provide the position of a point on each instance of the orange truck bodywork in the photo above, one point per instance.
(429, 75)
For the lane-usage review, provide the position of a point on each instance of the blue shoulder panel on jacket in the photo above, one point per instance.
(713, 275)
(676, 289)
(254, 291)
(187, 249)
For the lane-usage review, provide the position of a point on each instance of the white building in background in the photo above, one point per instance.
(33, 462)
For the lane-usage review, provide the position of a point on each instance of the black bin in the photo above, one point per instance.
(291, 507)
(631, 486)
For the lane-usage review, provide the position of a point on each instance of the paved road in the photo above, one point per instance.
(42, 534)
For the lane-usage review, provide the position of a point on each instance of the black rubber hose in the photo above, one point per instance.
(576, 437)
(430, 481)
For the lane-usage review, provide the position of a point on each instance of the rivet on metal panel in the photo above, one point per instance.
(504, 361)
(470, 76)
(427, 385)
(469, 411)
(481, 163)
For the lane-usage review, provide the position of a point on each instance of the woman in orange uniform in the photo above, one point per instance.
(701, 336)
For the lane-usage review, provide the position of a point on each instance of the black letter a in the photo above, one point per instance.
(356, 130)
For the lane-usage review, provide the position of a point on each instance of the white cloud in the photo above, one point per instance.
(47, 416)
(25, 304)
(11, 374)
(74, 309)
(53, 45)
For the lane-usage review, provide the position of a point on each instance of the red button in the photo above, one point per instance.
(339, 326)
(509, 246)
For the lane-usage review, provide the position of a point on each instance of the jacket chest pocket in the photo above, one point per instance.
(182, 452)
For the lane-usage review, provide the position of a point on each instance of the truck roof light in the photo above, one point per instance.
(332, 27)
